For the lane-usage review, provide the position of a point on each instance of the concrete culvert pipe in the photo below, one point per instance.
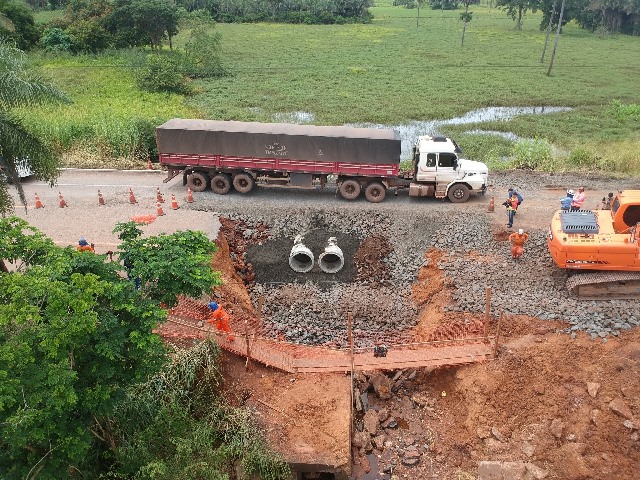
(300, 259)
(331, 260)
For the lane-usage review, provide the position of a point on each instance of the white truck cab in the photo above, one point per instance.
(440, 171)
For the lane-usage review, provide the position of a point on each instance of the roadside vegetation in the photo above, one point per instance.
(396, 69)
(88, 390)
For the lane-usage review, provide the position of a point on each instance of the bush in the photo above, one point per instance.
(529, 154)
(202, 55)
(162, 74)
(88, 36)
(583, 158)
(623, 111)
(56, 40)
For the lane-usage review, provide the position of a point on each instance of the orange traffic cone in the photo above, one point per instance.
(149, 165)
(159, 196)
(189, 195)
(100, 199)
(39, 204)
(174, 203)
(492, 205)
(132, 197)
(159, 211)
(62, 201)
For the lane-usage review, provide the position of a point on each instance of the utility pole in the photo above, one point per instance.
(546, 38)
(555, 45)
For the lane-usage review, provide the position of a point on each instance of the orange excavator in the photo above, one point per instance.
(603, 246)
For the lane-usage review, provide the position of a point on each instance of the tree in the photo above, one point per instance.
(23, 30)
(516, 9)
(74, 334)
(145, 22)
(168, 265)
(466, 17)
(20, 87)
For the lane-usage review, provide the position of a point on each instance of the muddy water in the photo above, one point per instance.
(409, 132)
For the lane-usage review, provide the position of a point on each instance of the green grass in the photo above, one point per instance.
(389, 72)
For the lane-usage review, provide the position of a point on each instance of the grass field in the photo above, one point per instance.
(388, 72)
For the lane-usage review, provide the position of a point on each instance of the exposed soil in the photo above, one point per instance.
(469, 414)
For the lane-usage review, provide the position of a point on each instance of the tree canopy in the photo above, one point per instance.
(74, 333)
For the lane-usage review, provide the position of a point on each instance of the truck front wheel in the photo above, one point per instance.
(458, 193)
(350, 189)
(243, 182)
(375, 192)
(221, 184)
(198, 181)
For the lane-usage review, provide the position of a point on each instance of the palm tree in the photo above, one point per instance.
(20, 87)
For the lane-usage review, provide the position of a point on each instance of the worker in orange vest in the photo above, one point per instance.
(83, 246)
(518, 240)
(220, 318)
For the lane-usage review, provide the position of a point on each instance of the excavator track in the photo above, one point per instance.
(604, 285)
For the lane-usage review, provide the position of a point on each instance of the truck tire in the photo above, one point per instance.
(375, 192)
(458, 193)
(243, 182)
(221, 184)
(198, 181)
(350, 189)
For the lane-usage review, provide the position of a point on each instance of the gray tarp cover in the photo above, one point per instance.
(279, 140)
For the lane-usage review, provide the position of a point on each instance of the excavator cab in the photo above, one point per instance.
(625, 210)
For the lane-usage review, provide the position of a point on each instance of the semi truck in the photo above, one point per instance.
(226, 155)
(600, 248)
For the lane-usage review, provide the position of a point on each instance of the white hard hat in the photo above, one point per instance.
(570, 192)
(520, 231)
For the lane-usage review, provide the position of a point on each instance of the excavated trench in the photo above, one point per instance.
(310, 304)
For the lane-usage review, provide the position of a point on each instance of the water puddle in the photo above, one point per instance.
(409, 132)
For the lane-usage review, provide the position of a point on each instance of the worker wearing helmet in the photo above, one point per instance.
(220, 318)
(83, 246)
(518, 239)
(565, 202)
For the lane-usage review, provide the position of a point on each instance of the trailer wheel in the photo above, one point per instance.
(375, 192)
(243, 182)
(198, 181)
(221, 184)
(458, 193)
(350, 189)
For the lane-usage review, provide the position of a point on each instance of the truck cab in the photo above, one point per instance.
(437, 163)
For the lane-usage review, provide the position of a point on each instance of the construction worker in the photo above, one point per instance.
(512, 205)
(565, 202)
(83, 246)
(518, 240)
(220, 318)
(578, 199)
(606, 201)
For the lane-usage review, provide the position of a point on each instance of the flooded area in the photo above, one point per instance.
(409, 132)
